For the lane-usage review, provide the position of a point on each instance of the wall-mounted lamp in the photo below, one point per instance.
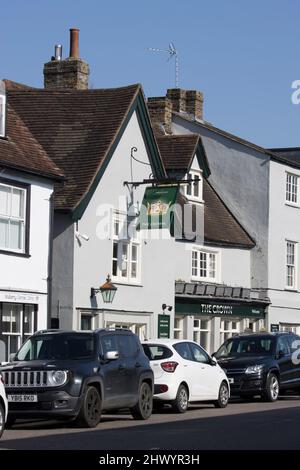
(168, 307)
(108, 290)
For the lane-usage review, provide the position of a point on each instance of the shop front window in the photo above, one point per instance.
(202, 332)
(228, 328)
(17, 323)
(178, 328)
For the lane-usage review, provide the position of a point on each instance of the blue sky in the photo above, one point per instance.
(243, 55)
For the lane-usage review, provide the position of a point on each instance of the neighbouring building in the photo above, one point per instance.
(213, 294)
(260, 188)
(27, 177)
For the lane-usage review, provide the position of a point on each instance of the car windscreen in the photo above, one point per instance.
(58, 347)
(157, 352)
(246, 346)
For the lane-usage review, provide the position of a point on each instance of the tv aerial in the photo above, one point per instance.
(172, 51)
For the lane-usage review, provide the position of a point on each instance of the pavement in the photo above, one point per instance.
(242, 425)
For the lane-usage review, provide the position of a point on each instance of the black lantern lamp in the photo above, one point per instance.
(108, 290)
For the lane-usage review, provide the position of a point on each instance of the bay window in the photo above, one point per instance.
(13, 217)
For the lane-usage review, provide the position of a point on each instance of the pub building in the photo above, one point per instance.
(209, 314)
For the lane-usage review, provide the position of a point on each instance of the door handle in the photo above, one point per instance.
(137, 364)
(121, 367)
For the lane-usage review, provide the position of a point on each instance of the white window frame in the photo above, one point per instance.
(129, 243)
(294, 265)
(226, 333)
(288, 190)
(178, 327)
(205, 252)
(2, 115)
(197, 330)
(11, 218)
(191, 197)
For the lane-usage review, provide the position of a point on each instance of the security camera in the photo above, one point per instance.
(81, 235)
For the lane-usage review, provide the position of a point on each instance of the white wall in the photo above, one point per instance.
(234, 264)
(284, 224)
(93, 259)
(29, 274)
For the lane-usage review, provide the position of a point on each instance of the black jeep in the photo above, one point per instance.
(79, 375)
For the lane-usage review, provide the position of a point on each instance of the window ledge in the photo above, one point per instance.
(292, 204)
(15, 253)
(291, 289)
(130, 284)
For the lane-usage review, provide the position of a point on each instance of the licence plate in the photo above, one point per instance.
(231, 380)
(22, 398)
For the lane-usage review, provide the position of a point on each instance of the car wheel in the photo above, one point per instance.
(272, 388)
(143, 409)
(181, 402)
(2, 419)
(223, 397)
(90, 413)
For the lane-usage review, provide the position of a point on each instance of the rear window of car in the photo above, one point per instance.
(156, 352)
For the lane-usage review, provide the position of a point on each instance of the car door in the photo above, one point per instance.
(284, 360)
(189, 370)
(294, 343)
(207, 379)
(113, 373)
(128, 349)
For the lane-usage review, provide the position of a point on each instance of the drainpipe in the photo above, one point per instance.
(50, 260)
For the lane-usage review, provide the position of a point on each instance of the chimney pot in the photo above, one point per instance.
(74, 43)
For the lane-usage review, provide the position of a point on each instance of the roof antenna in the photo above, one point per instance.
(172, 53)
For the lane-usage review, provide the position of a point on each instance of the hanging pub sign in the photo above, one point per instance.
(157, 207)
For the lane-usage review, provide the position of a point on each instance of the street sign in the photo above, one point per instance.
(274, 327)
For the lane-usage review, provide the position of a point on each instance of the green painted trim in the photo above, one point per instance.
(202, 159)
(139, 106)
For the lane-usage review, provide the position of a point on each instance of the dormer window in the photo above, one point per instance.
(2, 115)
(194, 190)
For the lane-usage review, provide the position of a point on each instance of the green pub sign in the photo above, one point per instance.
(163, 326)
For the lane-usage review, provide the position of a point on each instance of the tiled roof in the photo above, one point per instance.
(220, 226)
(178, 151)
(203, 290)
(76, 128)
(20, 150)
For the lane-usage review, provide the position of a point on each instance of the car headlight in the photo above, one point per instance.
(254, 369)
(58, 377)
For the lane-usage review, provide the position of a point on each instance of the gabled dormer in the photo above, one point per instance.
(184, 158)
(2, 109)
(194, 190)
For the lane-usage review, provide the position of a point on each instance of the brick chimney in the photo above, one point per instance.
(187, 101)
(70, 73)
(160, 110)
(194, 104)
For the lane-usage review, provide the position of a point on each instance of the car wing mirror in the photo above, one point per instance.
(213, 361)
(12, 357)
(111, 355)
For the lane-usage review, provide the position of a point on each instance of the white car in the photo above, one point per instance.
(3, 406)
(184, 373)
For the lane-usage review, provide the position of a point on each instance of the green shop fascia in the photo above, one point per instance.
(220, 308)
